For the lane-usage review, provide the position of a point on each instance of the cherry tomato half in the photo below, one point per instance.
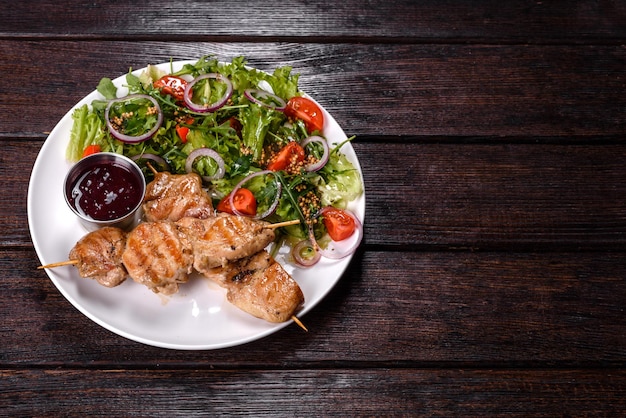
(91, 149)
(244, 201)
(306, 110)
(292, 153)
(182, 132)
(338, 223)
(172, 85)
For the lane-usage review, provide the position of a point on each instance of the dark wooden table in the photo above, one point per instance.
(492, 276)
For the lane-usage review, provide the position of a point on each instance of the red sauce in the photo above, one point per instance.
(106, 191)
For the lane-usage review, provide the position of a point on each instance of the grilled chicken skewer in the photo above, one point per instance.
(162, 254)
(227, 249)
(75, 259)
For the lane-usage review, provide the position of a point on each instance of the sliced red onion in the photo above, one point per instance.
(257, 96)
(213, 106)
(323, 159)
(128, 138)
(152, 157)
(271, 209)
(340, 249)
(206, 152)
(300, 259)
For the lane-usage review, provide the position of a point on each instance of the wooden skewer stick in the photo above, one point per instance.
(58, 264)
(154, 171)
(281, 224)
(299, 323)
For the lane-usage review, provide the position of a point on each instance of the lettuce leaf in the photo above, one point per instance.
(342, 182)
(284, 83)
(87, 129)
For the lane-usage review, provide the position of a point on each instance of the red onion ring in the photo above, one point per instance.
(127, 138)
(340, 249)
(271, 209)
(316, 166)
(152, 157)
(296, 253)
(257, 96)
(213, 106)
(206, 152)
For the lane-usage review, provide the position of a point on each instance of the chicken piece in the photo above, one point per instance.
(99, 256)
(175, 196)
(260, 286)
(223, 275)
(224, 238)
(158, 256)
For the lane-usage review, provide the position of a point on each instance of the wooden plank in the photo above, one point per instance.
(372, 90)
(326, 392)
(421, 309)
(495, 196)
(16, 163)
(398, 21)
(449, 195)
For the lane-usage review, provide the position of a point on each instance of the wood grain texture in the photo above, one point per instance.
(458, 309)
(425, 91)
(398, 21)
(337, 392)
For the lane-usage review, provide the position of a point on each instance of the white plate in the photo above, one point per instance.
(197, 318)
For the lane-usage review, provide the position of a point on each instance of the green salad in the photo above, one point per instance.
(256, 140)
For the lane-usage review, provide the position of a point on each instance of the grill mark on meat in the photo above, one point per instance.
(158, 256)
(175, 196)
(224, 238)
(229, 229)
(99, 256)
(260, 286)
(241, 276)
(167, 251)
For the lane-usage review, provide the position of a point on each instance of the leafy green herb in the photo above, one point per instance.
(107, 88)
